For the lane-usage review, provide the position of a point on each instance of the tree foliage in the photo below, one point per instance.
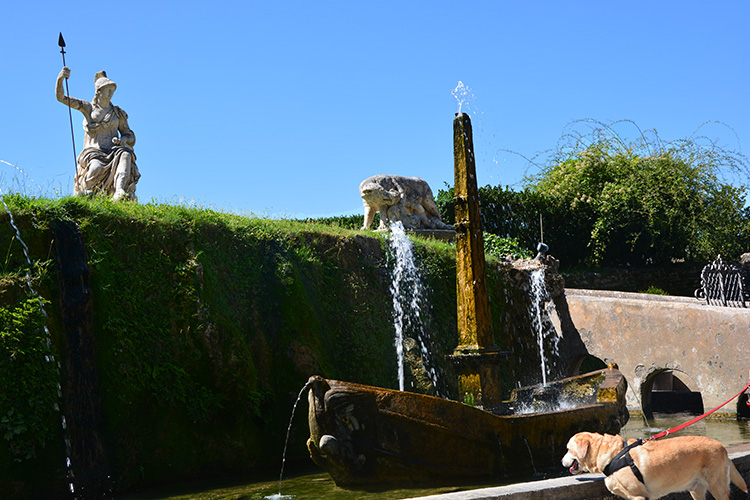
(604, 201)
(649, 208)
(524, 218)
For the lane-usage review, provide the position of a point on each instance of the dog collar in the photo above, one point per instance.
(623, 459)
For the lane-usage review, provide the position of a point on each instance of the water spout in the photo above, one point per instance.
(462, 94)
(541, 250)
(531, 455)
(279, 496)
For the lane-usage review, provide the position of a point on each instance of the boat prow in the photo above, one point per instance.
(364, 435)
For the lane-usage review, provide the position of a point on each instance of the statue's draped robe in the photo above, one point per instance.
(103, 179)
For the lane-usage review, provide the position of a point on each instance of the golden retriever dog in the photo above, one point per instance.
(690, 463)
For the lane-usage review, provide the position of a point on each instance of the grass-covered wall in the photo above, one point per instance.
(202, 329)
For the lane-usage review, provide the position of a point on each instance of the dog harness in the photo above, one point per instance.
(623, 459)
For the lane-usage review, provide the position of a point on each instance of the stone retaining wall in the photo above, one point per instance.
(678, 279)
(706, 346)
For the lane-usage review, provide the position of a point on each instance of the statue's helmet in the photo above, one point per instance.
(101, 81)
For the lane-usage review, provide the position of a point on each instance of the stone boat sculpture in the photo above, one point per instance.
(363, 435)
(366, 435)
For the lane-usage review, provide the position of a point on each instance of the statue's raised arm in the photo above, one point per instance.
(74, 103)
(107, 163)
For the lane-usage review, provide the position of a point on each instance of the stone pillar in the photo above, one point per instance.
(476, 356)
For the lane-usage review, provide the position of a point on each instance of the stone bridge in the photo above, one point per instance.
(677, 353)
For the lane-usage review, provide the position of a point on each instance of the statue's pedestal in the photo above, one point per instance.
(438, 234)
(479, 375)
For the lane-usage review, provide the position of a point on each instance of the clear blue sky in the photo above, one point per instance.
(282, 108)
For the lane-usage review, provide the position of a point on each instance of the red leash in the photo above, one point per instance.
(682, 426)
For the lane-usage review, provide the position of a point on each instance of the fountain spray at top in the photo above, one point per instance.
(463, 94)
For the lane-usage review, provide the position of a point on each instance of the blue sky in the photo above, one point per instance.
(281, 108)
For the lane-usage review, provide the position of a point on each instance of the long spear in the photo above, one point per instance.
(61, 43)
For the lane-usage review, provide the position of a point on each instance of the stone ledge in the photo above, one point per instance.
(610, 294)
(582, 487)
(438, 234)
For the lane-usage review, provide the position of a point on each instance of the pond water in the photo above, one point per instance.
(727, 431)
(316, 485)
(305, 487)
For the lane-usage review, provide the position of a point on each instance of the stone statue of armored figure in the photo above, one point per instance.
(107, 163)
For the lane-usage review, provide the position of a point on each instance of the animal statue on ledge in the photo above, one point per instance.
(397, 198)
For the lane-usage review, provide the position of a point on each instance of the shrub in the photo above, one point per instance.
(644, 209)
(505, 247)
(28, 378)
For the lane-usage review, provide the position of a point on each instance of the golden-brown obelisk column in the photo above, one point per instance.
(476, 356)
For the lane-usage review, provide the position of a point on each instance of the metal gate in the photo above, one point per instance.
(722, 285)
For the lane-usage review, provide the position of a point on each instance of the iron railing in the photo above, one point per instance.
(723, 284)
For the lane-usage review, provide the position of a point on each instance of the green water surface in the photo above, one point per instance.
(317, 486)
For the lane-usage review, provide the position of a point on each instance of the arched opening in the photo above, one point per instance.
(743, 410)
(590, 364)
(665, 392)
(585, 364)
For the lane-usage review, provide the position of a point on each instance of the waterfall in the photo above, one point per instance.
(49, 358)
(544, 333)
(408, 291)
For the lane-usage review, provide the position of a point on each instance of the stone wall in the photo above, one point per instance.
(678, 279)
(705, 346)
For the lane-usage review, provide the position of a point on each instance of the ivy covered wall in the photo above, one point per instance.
(191, 333)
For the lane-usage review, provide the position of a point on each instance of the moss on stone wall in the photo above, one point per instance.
(206, 327)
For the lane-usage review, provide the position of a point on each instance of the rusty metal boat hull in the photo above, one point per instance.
(363, 435)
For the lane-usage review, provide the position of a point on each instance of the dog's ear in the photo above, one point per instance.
(582, 445)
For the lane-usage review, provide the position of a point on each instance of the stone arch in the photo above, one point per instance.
(668, 390)
(586, 364)
(743, 410)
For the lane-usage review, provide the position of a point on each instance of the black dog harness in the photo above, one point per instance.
(623, 459)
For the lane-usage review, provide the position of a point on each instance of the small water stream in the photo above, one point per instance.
(279, 495)
(50, 358)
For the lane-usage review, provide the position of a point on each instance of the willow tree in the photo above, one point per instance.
(650, 202)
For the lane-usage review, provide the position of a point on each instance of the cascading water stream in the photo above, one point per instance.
(531, 455)
(538, 291)
(401, 248)
(50, 358)
(408, 293)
